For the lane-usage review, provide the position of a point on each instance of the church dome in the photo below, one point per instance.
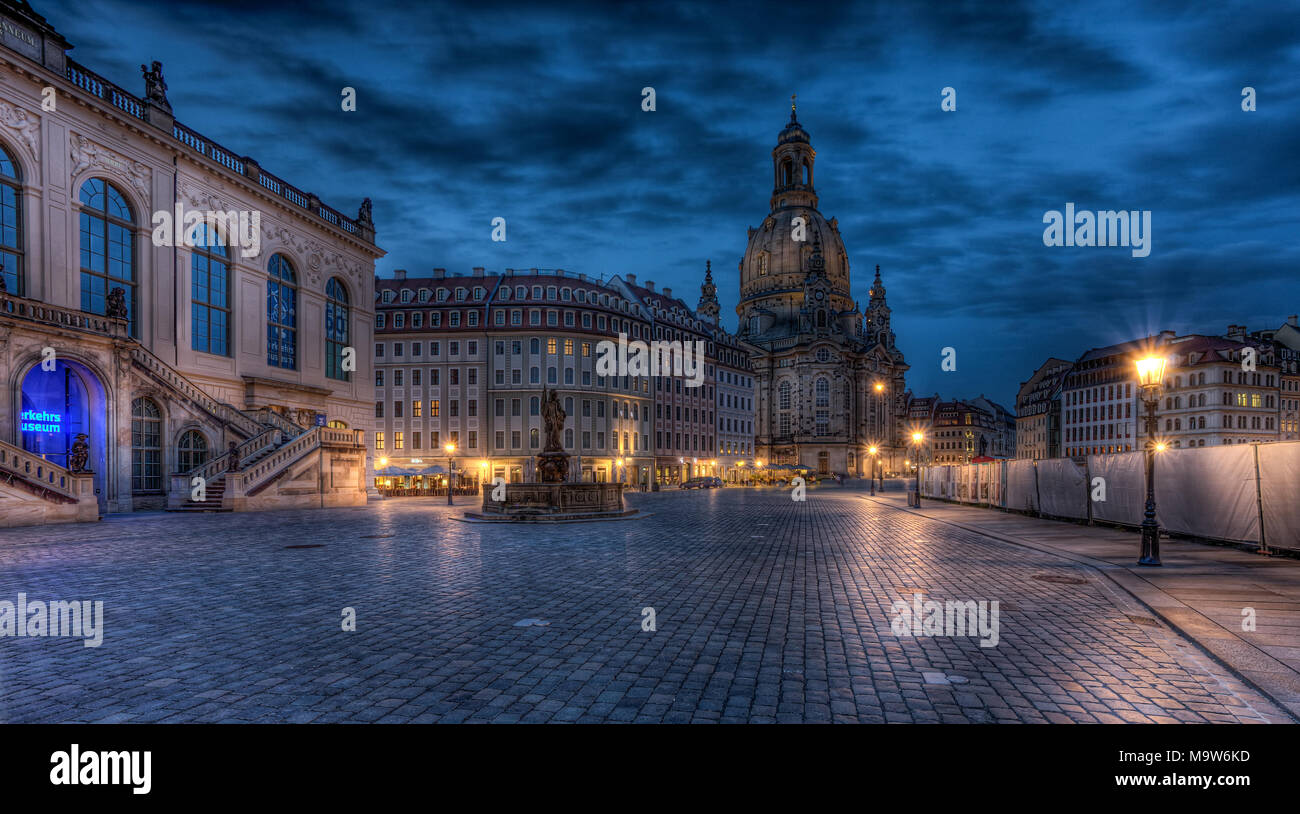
(780, 256)
(775, 261)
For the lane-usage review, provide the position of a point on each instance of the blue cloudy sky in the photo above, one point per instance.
(531, 111)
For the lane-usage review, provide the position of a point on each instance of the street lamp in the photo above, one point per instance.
(619, 471)
(872, 476)
(917, 438)
(880, 413)
(451, 449)
(1151, 376)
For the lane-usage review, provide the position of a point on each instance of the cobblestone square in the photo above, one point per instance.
(766, 610)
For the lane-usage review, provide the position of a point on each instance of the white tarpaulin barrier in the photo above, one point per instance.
(988, 479)
(1022, 489)
(1208, 492)
(1124, 480)
(1062, 488)
(966, 489)
(1279, 486)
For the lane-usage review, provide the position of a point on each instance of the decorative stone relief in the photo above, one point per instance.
(86, 153)
(26, 128)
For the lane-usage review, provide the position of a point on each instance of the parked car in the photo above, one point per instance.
(702, 483)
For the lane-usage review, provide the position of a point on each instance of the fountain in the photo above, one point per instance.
(553, 498)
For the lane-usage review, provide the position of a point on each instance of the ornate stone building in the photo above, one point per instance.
(132, 364)
(816, 357)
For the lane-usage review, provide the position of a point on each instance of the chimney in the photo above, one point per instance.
(1166, 336)
(650, 285)
(439, 274)
(399, 274)
(631, 279)
(582, 276)
(559, 272)
(668, 292)
(478, 271)
(1237, 332)
(1291, 320)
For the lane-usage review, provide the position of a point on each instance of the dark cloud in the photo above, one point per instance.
(532, 112)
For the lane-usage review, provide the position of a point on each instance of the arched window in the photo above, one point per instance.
(146, 447)
(192, 451)
(337, 329)
(107, 249)
(11, 224)
(787, 172)
(823, 390)
(209, 292)
(281, 314)
(784, 390)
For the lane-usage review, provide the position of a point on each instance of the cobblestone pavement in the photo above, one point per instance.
(766, 610)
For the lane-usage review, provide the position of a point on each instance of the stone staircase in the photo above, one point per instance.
(35, 491)
(214, 474)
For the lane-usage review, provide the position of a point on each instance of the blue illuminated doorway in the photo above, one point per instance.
(57, 404)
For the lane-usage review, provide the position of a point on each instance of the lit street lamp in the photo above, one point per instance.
(1151, 376)
(872, 477)
(880, 413)
(917, 438)
(451, 449)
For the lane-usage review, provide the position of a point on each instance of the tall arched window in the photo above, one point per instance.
(107, 249)
(281, 314)
(146, 447)
(338, 324)
(784, 391)
(11, 224)
(192, 451)
(823, 391)
(210, 292)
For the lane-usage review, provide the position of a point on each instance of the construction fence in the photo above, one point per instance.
(1247, 493)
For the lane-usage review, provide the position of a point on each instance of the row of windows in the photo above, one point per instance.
(107, 260)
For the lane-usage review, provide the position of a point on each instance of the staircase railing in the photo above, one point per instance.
(216, 467)
(46, 314)
(35, 470)
(267, 416)
(250, 480)
(173, 379)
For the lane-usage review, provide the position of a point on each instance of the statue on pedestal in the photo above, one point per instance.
(553, 464)
(80, 454)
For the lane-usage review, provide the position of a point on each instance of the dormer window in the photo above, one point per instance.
(460, 294)
(406, 295)
(442, 295)
(425, 294)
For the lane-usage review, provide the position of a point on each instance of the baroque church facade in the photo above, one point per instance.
(829, 377)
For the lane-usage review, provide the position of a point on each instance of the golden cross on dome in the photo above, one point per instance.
(792, 102)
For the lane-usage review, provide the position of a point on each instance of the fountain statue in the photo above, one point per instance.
(551, 498)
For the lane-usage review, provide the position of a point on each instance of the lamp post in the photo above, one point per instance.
(618, 471)
(451, 449)
(880, 412)
(1151, 375)
(917, 438)
(872, 475)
